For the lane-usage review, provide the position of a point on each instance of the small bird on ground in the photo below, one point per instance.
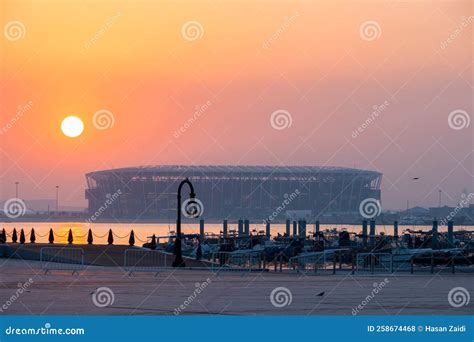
(320, 294)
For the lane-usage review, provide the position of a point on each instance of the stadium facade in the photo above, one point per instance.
(232, 192)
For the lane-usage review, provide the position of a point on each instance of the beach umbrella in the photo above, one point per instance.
(22, 236)
(32, 236)
(110, 239)
(90, 238)
(14, 236)
(131, 241)
(153, 242)
(51, 236)
(69, 237)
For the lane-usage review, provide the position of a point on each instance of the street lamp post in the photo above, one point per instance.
(16, 189)
(57, 197)
(178, 261)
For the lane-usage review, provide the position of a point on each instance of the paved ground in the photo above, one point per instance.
(60, 293)
(98, 255)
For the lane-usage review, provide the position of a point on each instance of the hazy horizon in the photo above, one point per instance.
(239, 83)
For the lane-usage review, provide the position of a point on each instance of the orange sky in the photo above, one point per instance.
(254, 57)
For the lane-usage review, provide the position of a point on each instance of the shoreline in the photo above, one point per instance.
(196, 222)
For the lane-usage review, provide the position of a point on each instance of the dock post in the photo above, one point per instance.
(364, 233)
(295, 229)
(246, 227)
(395, 230)
(450, 233)
(302, 229)
(372, 233)
(287, 231)
(316, 227)
(201, 230)
(224, 228)
(267, 228)
(241, 228)
(434, 235)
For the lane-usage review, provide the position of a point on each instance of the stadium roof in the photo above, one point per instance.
(184, 169)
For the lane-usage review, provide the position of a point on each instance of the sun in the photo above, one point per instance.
(72, 126)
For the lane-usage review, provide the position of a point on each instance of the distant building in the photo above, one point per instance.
(253, 192)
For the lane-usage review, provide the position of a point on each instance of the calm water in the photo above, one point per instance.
(142, 230)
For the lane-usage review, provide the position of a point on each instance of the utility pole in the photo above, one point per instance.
(57, 197)
(16, 189)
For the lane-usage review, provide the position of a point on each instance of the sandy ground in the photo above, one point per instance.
(175, 291)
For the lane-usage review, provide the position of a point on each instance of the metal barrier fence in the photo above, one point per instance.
(374, 263)
(309, 261)
(237, 261)
(141, 260)
(62, 258)
(430, 262)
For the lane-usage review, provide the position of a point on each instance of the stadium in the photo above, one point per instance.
(231, 192)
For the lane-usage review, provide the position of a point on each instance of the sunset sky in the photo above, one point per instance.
(242, 61)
